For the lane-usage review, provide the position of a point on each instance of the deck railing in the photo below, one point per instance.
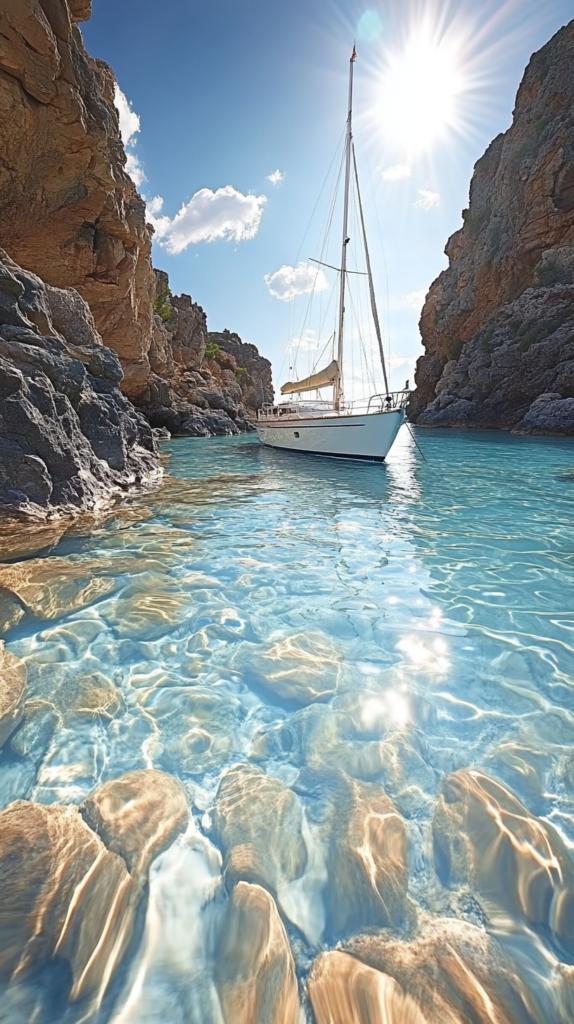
(361, 407)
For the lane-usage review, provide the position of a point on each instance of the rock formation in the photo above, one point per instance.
(451, 972)
(200, 383)
(12, 693)
(70, 892)
(70, 214)
(498, 325)
(518, 863)
(255, 971)
(68, 210)
(258, 821)
(69, 439)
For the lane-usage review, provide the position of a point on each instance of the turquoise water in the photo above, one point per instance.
(309, 616)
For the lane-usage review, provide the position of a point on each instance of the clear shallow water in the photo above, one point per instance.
(306, 617)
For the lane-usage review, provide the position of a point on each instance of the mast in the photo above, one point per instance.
(349, 142)
(374, 309)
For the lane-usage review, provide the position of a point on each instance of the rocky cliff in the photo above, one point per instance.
(69, 438)
(498, 324)
(68, 210)
(200, 383)
(70, 214)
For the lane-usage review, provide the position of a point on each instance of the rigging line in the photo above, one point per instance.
(361, 343)
(331, 210)
(363, 273)
(371, 285)
(387, 310)
(321, 192)
(329, 220)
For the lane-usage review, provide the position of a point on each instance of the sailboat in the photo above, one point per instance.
(363, 429)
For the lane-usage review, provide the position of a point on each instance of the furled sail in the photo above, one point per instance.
(321, 379)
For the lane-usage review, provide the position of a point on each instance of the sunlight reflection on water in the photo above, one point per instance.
(335, 627)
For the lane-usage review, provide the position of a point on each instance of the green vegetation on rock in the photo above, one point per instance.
(161, 305)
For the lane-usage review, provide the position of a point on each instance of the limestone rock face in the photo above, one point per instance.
(69, 438)
(201, 384)
(258, 821)
(12, 693)
(68, 210)
(256, 384)
(138, 816)
(255, 970)
(518, 863)
(498, 324)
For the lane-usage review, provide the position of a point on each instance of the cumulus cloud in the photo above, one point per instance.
(308, 342)
(396, 172)
(276, 177)
(427, 199)
(129, 120)
(225, 214)
(416, 300)
(398, 361)
(288, 282)
(135, 169)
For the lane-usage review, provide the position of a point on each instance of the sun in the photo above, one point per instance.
(421, 90)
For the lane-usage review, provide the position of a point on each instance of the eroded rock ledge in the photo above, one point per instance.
(69, 439)
(498, 325)
(201, 383)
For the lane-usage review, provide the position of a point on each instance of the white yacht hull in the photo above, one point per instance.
(366, 437)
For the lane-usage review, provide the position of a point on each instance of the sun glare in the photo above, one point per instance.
(421, 91)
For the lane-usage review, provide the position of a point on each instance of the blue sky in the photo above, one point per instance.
(229, 93)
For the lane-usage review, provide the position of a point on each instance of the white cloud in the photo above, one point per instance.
(398, 361)
(276, 177)
(416, 300)
(135, 169)
(288, 282)
(427, 199)
(308, 342)
(208, 217)
(129, 120)
(396, 172)
(155, 205)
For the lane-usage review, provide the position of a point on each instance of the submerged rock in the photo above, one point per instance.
(302, 669)
(51, 587)
(255, 973)
(62, 895)
(344, 991)
(69, 439)
(366, 860)
(259, 821)
(71, 879)
(12, 693)
(498, 324)
(198, 727)
(452, 972)
(138, 816)
(485, 837)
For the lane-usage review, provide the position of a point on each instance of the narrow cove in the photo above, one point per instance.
(309, 649)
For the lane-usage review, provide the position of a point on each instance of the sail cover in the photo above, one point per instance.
(321, 379)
